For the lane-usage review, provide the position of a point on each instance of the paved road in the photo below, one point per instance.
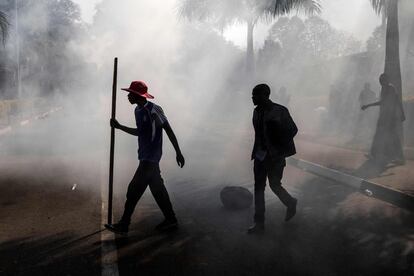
(41, 208)
(45, 224)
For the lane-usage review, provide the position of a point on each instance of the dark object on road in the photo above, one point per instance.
(236, 198)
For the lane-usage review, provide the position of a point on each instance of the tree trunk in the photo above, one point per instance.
(249, 51)
(408, 67)
(392, 53)
(392, 48)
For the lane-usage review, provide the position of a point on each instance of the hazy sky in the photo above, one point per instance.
(353, 16)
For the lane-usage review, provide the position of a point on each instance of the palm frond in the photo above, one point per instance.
(380, 6)
(218, 12)
(4, 26)
(310, 7)
(226, 12)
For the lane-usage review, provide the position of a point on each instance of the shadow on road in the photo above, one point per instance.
(329, 236)
(52, 255)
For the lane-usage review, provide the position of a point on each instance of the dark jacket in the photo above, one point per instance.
(278, 129)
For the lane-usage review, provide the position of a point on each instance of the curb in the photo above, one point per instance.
(10, 129)
(368, 188)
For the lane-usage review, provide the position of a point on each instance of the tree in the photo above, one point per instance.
(269, 54)
(287, 32)
(376, 41)
(313, 39)
(4, 26)
(48, 31)
(223, 13)
(392, 46)
(324, 41)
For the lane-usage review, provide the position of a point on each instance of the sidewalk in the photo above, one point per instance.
(355, 163)
(343, 142)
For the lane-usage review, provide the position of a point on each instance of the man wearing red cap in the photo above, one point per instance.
(150, 121)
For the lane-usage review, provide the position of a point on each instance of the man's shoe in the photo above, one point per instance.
(118, 228)
(291, 210)
(256, 228)
(167, 224)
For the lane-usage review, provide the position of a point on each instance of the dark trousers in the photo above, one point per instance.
(272, 169)
(147, 174)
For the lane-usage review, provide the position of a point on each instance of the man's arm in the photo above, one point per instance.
(133, 131)
(282, 127)
(170, 133)
(254, 120)
(290, 126)
(371, 104)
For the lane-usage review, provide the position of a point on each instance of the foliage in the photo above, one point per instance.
(47, 31)
(380, 6)
(222, 13)
(281, 7)
(376, 41)
(313, 38)
(322, 40)
(269, 54)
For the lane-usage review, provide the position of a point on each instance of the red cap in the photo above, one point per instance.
(139, 88)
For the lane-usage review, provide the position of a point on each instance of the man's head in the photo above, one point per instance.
(134, 98)
(138, 93)
(384, 79)
(260, 94)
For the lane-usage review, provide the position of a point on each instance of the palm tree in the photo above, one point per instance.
(4, 26)
(223, 13)
(392, 46)
(392, 67)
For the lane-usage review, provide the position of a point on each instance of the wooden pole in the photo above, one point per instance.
(111, 152)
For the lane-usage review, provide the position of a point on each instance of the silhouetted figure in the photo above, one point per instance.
(386, 145)
(274, 132)
(363, 128)
(333, 93)
(150, 121)
(335, 109)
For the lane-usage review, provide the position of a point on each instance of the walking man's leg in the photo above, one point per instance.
(259, 201)
(275, 174)
(136, 189)
(162, 198)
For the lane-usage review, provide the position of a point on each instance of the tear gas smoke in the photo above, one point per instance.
(196, 76)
